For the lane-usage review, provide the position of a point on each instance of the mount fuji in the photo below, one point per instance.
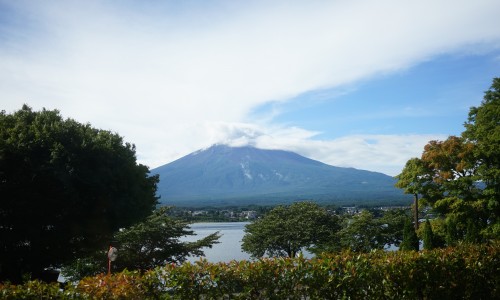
(222, 176)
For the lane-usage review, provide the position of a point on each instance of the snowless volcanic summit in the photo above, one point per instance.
(224, 175)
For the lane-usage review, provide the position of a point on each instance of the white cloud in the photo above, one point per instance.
(166, 76)
(381, 153)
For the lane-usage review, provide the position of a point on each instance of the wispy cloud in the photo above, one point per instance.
(167, 75)
(381, 153)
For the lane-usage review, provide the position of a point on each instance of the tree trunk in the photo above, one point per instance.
(415, 213)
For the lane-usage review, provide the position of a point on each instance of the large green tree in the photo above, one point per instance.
(457, 193)
(65, 189)
(460, 177)
(362, 233)
(145, 245)
(365, 232)
(482, 129)
(157, 241)
(415, 179)
(287, 230)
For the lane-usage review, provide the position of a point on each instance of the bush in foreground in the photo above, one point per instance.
(463, 272)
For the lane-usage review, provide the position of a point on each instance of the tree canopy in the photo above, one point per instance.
(410, 238)
(287, 230)
(156, 241)
(460, 177)
(483, 131)
(361, 233)
(364, 232)
(428, 236)
(152, 243)
(65, 188)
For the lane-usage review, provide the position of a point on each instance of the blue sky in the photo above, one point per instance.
(362, 84)
(434, 96)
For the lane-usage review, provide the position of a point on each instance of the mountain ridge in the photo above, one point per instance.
(224, 175)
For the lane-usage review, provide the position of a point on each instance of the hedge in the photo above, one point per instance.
(462, 272)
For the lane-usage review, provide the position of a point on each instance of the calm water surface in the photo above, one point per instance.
(229, 247)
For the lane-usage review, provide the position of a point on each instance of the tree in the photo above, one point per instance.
(410, 239)
(362, 233)
(392, 224)
(156, 241)
(365, 232)
(428, 236)
(454, 170)
(65, 189)
(146, 245)
(286, 230)
(415, 180)
(460, 177)
(482, 129)
(452, 167)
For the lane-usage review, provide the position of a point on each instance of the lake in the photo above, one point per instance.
(229, 247)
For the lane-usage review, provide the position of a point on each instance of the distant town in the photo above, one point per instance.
(242, 214)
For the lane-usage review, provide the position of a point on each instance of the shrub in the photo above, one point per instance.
(462, 272)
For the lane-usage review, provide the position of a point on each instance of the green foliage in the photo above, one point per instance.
(392, 224)
(361, 233)
(460, 177)
(483, 130)
(365, 232)
(428, 236)
(286, 230)
(464, 272)
(152, 243)
(438, 226)
(410, 238)
(414, 178)
(156, 241)
(33, 290)
(86, 266)
(65, 188)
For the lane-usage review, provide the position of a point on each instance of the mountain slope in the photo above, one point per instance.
(242, 175)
